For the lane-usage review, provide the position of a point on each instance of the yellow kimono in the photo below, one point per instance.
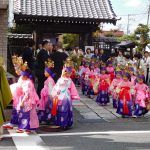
(5, 94)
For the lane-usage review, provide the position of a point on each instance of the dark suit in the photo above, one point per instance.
(28, 56)
(58, 58)
(41, 58)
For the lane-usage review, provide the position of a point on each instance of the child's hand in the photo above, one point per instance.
(22, 104)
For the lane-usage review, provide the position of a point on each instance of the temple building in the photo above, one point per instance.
(47, 17)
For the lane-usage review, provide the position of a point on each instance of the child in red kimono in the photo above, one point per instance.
(104, 83)
(125, 91)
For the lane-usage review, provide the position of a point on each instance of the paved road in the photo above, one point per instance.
(95, 128)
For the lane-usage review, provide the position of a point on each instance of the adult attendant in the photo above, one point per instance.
(58, 57)
(41, 58)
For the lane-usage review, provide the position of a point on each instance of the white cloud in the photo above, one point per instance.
(133, 3)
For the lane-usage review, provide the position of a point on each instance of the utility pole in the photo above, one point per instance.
(128, 24)
(148, 14)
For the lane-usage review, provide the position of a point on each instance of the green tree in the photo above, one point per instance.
(125, 37)
(143, 38)
(70, 40)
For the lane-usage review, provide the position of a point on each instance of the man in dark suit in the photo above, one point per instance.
(41, 58)
(27, 54)
(58, 57)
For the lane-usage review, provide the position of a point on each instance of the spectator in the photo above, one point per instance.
(38, 50)
(128, 60)
(28, 54)
(120, 60)
(102, 56)
(88, 53)
(146, 66)
(96, 54)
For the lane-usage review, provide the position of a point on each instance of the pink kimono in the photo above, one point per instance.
(133, 80)
(112, 89)
(141, 94)
(110, 71)
(45, 92)
(25, 100)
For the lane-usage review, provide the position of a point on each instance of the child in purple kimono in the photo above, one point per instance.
(26, 100)
(45, 103)
(63, 93)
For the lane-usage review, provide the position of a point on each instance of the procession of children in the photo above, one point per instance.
(121, 85)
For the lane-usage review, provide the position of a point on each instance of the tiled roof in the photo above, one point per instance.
(91, 9)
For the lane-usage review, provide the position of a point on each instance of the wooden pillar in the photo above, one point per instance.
(82, 41)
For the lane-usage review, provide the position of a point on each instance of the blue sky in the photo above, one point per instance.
(124, 7)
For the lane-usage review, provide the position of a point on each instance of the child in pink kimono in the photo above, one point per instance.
(141, 95)
(110, 70)
(63, 93)
(91, 78)
(104, 83)
(125, 91)
(133, 77)
(45, 103)
(113, 87)
(26, 100)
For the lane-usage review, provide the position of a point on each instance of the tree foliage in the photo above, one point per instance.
(70, 40)
(140, 37)
(142, 33)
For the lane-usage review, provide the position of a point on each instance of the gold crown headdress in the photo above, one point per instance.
(69, 63)
(19, 64)
(140, 71)
(49, 63)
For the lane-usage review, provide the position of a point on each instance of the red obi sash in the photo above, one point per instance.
(103, 86)
(124, 95)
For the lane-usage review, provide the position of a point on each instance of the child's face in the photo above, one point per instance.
(110, 65)
(125, 78)
(131, 72)
(118, 76)
(46, 74)
(140, 80)
(24, 77)
(103, 71)
(66, 74)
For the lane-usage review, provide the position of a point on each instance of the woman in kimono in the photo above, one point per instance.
(5, 95)
(45, 103)
(125, 92)
(25, 102)
(63, 93)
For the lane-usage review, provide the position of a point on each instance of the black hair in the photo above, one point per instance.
(44, 43)
(30, 43)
